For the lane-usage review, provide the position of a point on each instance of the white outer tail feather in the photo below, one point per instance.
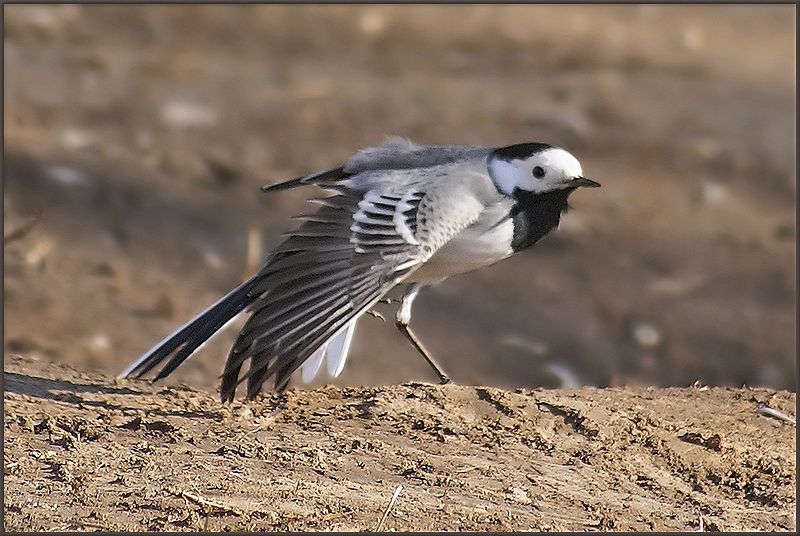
(334, 352)
(338, 349)
(312, 364)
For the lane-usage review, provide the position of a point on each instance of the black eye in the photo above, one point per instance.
(538, 172)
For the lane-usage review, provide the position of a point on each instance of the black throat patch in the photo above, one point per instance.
(535, 215)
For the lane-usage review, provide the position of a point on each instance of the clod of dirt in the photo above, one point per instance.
(713, 443)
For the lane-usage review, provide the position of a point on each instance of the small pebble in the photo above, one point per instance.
(187, 114)
(647, 335)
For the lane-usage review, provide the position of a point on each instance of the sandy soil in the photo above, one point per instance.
(136, 140)
(85, 452)
(142, 137)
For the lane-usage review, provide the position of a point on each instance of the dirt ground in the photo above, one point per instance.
(83, 452)
(136, 140)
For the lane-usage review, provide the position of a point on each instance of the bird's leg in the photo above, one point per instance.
(402, 320)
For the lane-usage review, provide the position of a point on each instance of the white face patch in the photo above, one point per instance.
(556, 167)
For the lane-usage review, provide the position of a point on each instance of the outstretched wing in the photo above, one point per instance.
(334, 267)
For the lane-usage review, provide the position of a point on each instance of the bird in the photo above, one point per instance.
(396, 215)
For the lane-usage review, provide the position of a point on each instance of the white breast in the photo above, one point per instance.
(479, 245)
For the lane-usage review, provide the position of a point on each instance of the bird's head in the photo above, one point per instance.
(535, 168)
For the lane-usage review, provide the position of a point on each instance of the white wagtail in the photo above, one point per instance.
(397, 214)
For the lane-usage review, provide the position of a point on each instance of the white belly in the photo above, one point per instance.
(479, 245)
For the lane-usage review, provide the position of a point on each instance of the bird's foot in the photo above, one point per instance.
(376, 314)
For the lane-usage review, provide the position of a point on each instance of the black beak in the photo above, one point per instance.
(583, 181)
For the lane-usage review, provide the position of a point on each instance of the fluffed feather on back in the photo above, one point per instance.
(400, 153)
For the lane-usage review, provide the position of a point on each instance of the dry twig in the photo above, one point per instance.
(254, 251)
(776, 414)
(23, 229)
(207, 504)
(395, 495)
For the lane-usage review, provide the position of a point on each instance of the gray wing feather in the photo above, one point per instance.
(329, 176)
(317, 281)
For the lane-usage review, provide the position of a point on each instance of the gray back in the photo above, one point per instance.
(399, 153)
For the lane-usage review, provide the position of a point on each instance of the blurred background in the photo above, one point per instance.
(137, 137)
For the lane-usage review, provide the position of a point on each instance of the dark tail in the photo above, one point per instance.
(185, 340)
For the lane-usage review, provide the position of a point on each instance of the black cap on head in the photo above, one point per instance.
(521, 151)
